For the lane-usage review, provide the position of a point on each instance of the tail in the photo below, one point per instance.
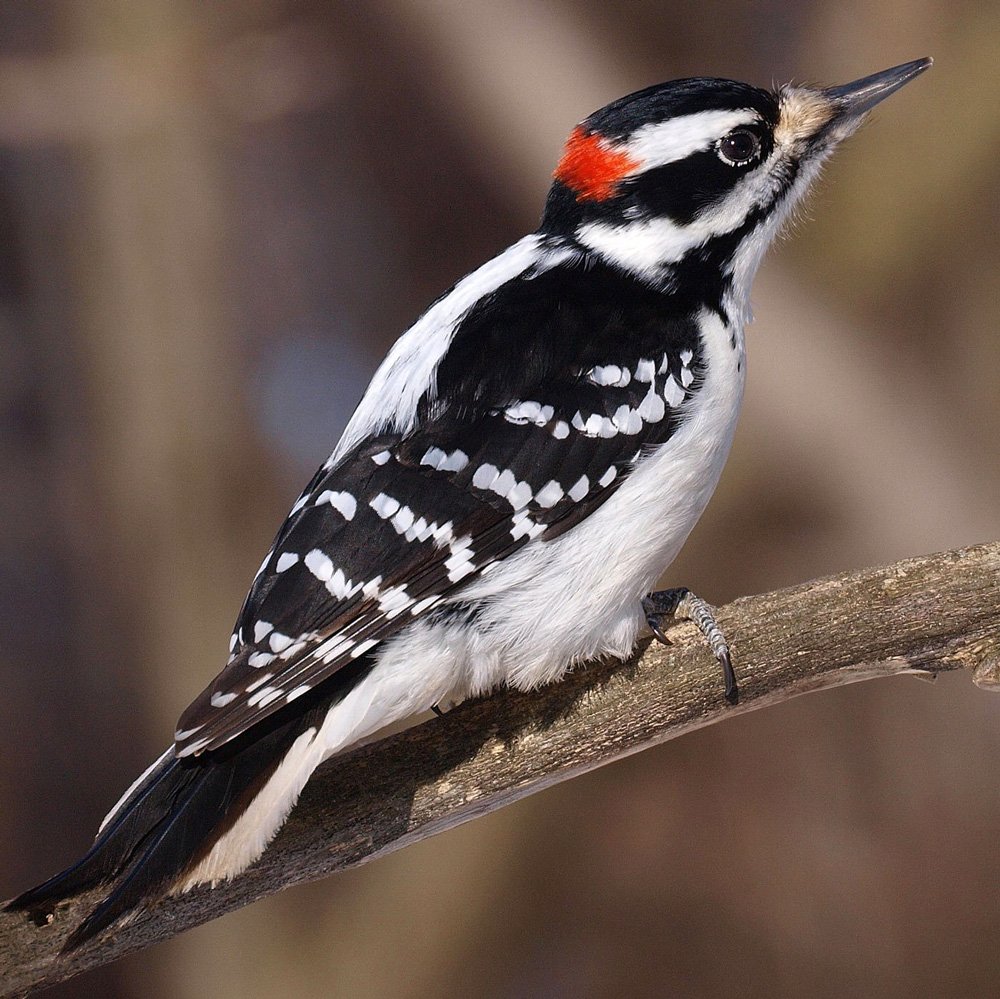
(170, 821)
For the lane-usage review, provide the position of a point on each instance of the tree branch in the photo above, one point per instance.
(923, 615)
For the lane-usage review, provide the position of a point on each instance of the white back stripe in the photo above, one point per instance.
(409, 369)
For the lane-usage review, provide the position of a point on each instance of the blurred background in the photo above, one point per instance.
(214, 220)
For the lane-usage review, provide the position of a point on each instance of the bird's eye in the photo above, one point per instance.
(739, 147)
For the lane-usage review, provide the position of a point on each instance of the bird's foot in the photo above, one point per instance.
(682, 605)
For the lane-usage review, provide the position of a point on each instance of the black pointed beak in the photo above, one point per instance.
(852, 100)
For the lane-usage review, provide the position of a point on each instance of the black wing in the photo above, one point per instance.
(517, 444)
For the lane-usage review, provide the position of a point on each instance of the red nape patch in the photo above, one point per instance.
(592, 168)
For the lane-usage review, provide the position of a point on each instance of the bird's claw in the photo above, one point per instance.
(682, 605)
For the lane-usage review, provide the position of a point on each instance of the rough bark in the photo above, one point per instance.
(923, 615)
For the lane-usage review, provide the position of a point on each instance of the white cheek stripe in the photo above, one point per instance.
(666, 142)
(644, 247)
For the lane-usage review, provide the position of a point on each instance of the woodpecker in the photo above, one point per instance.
(525, 464)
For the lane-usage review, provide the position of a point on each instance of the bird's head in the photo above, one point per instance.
(701, 173)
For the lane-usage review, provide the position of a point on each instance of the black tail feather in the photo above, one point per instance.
(112, 849)
(176, 842)
(169, 822)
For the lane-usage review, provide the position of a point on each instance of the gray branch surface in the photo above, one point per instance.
(923, 615)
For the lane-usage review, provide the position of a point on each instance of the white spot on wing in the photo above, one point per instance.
(523, 412)
(285, 561)
(549, 494)
(319, 565)
(485, 476)
(595, 425)
(628, 420)
(384, 506)
(459, 564)
(341, 587)
(293, 650)
(265, 696)
(220, 700)
(579, 489)
(394, 601)
(420, 529)
(364, 647)
(279, 642)
(454, 462)
(402, 521)
(504, 482)
(421, 605)
(333, 648)
(651, 409)
(433, 457)
(523, 524)
(443, 535)
(460, 571)
(520, 496)
(261, 630)
(608, 374)
(193, 747)
(645, 371)
(344, 503)
(672, 392)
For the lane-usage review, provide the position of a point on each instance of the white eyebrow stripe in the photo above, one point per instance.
(668, 141)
